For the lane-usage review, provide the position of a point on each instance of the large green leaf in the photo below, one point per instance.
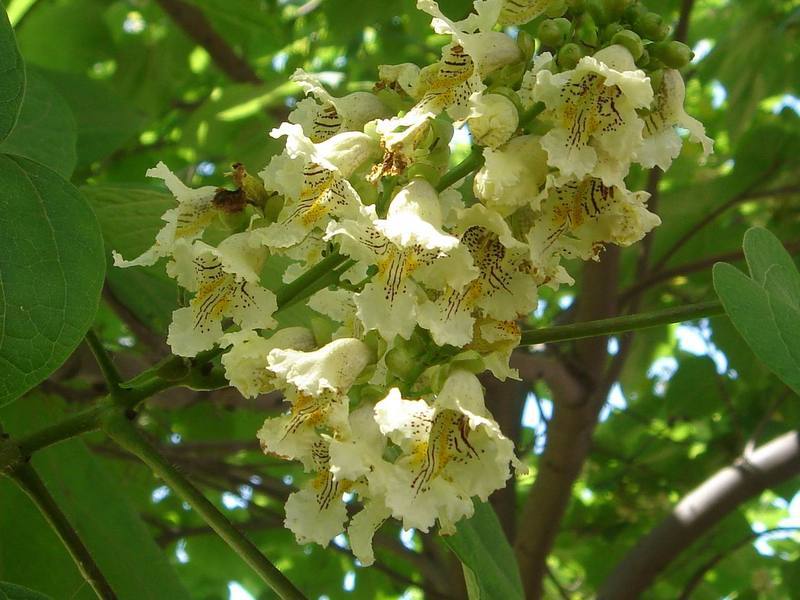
(92, 501)
(12, 76)
(490, 568)
(51, 272)
(45, 131)
(130, 218)
(11, 591)
(764, 309)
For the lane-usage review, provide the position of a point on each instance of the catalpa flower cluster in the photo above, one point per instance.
(412, 284)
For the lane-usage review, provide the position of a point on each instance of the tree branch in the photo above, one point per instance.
(194, 24)
(569, 433)
(771, 464)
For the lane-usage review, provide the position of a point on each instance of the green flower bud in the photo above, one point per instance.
(576, 6)
(587, 30)
(615, 8)
(631, 41)
(556, 8)
(404, 359)
(554, 32)
(610, 30)
(597, 9)
(651, 26)
(425, 170)
(643, 60)
(569, 55)
(635, 11)
(370, 393)
(526, 44)
(675, 55)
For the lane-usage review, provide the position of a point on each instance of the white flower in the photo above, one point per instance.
(363, 526)
(324, 119)
(334, 367)
(579, 216)
(503, 289)
(225, 281)
(593, 112)
(403, 77)
(408, 247)
(316, 384)
(495, 341)
(246, 362)
(541, 62)
(512, 175)
(452, 451)
(317, 513)
(187, 221)
(492, 119)
(313, 180)
(662, 144)
(490, 50)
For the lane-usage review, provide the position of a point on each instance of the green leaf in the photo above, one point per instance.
(51, 273)
(92, 501)
(129, 217)
(763, 250)
(748, 306)
(45, 131)
(105, 120)
(490, 567)
(12, 77)
(11, 591)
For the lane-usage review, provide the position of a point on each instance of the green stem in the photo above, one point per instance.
(110, 373)
(292, 292)
(614, 325)
(123, 432)
(72, 426)
(472, 162)
(26, 477)
(475, 159)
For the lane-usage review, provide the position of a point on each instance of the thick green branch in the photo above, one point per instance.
(577, 331)
(28, 480)
(123, 432)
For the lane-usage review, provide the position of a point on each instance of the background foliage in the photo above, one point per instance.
(113, 87)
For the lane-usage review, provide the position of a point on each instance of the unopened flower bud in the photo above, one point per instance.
(554, 32)
(610, 30)
(569, 55)
(651, 26)
(493, 119)
(526, 44)
(615, 8)
(598, 11)
(675, 55)
(631, 41)
(634, 12)
(587, 30)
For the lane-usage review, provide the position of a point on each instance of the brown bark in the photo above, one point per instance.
(771, 464)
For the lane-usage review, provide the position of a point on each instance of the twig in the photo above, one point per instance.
(602, 327)
(122, 431)
(103, 358)
(28, 480)
(194, 23)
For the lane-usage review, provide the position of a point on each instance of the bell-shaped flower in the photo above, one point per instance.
(409, 248)
(246, 362)
(225, 282)
(662, 144)
(592, 109)
(492, 119)
(187, 221)
(324, 116)
(452, 450)
(495, 341)
(316, 384)
(579, 216)
(317, 512)
(489, 50)
(313, 181)
(402, 78)
(503, 289)
(513, 175)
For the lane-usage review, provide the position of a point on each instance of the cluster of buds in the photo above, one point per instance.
(386, 412)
